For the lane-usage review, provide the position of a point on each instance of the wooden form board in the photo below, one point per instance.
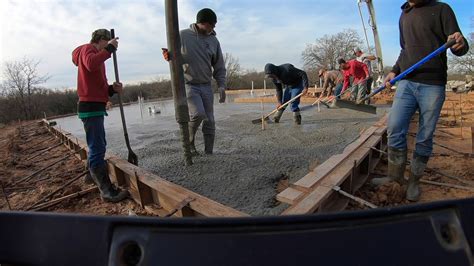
(352, 166)
(152, 192)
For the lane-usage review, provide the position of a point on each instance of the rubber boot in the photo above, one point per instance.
(193, 127)
(208, 143)
(108, 192)
(397, 160)
(297, 117)
(418, 165)
(88, 179)
(278, 115)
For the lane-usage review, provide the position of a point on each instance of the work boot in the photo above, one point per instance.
(88, 179)
(418, 165)
(193, 127)
(108, 192)
(297, 117)
(397, 160)
(208, 143)
(278, 115)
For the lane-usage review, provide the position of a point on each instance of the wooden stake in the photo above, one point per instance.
(472, 140)
(6, 197)
(460, 110)
(59, 200)
(454, 113)
(263, 115)
(56, 191)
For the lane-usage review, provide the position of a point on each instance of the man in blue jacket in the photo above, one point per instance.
(424, 26)
(295, 81)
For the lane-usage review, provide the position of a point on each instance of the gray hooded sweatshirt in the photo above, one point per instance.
(202, 57)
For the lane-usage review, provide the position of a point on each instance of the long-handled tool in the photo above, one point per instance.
(132, 157)
(259, 120)
(359, 106)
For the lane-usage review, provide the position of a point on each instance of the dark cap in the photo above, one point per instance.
(206, 15)
(341, 61)
(101, 34)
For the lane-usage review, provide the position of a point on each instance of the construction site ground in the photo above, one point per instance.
(249, 167)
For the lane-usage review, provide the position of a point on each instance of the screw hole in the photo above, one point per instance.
(131, 253)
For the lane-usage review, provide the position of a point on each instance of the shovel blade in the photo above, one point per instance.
(259, 120)
(357, 107)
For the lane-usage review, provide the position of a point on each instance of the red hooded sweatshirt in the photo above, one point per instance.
(356, 69)
(91, 80)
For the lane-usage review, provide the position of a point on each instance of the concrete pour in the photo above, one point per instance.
(248, 162)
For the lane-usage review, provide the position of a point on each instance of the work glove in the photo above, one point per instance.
(221, 95)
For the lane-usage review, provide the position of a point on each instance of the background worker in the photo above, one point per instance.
(295, 81)
(202, 60)
(423, 90)
(366, 59)
(359, 72)
(94, 92)
(331, 78)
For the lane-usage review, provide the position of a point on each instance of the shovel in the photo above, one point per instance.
(132, 157)
(259, 120)
(359, 106)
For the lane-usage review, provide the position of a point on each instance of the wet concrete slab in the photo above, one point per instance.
(248, 162)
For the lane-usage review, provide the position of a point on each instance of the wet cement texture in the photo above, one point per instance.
(248, 162)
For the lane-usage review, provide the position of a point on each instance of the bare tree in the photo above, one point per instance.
(327, 49)
(21, 82)
(232, 66)
(463, 64)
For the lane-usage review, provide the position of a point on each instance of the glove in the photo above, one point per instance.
(221, 95)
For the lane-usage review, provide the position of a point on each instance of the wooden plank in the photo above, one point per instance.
(289, 195)
(310, 180)
(323, 190)
(201, 204)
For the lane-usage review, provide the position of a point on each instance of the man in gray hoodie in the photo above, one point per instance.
(202, 60)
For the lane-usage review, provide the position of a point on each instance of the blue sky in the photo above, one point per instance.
(255, 32)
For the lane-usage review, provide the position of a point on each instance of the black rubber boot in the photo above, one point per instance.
(193, 127)
(88, 179)
(278, 115)
(397, 160)
(297, 118)
(108, 192)
(418, 165)
(208, 143)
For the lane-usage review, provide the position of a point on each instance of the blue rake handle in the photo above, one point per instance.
(413, 67)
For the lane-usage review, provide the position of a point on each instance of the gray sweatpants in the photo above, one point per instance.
(201, 106)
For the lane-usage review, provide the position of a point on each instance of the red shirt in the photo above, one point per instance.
(92, 83)
(357, 70)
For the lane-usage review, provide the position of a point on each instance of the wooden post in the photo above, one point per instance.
(460, 110)
(472, 140)
(263, 114)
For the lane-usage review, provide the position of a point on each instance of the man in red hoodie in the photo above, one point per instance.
(94, 92)
(360, 73)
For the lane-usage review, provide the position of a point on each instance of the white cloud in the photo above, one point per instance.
(256, 32)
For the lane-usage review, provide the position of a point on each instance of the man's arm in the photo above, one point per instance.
(219, 68)
(451, 28)
(92, 60)
(279, 90)
(346, 81)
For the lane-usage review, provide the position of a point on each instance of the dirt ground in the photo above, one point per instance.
(23, 152)
(452, 155)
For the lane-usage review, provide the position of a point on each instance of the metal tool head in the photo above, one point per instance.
(357, 107)
(259, 120)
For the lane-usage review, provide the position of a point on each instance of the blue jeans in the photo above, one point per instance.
(95, 136)
(410, 97)
(337, 90)
(291, 92)
(201, 106)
